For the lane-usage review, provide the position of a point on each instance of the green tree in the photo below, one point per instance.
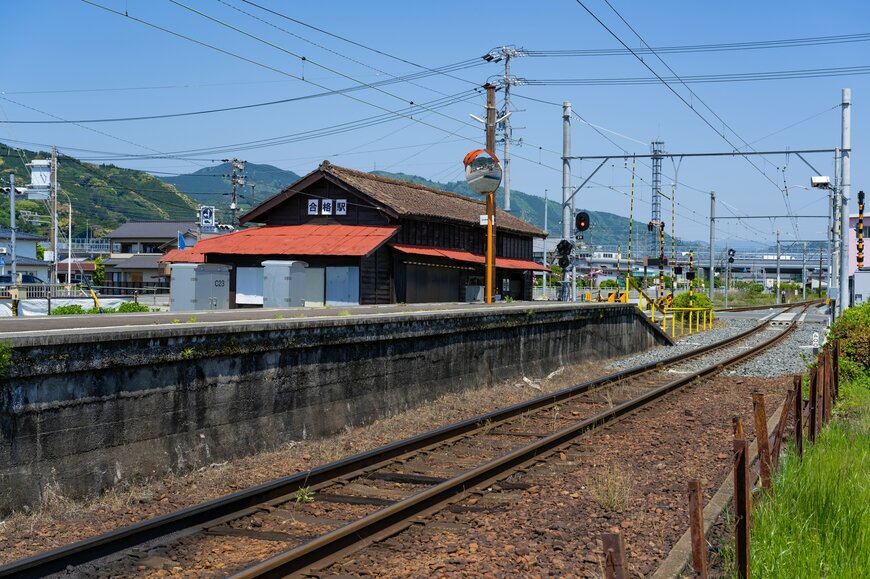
(99, 271)
(40, 251)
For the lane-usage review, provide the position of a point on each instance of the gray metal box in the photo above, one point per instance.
(284, 284)
(475, 293)
(199, 286)
(862, 286)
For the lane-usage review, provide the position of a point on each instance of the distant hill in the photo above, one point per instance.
(102, 196)
(605, 228)
(212, 185)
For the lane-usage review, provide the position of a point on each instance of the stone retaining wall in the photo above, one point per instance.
(88, 409)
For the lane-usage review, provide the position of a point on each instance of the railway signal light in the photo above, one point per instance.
(564, 247)
(650, 226)
(690, 275)
(564, 261)
(582, 221)
(731, 253)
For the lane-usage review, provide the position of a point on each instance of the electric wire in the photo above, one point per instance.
(678, 95)
(705, 78)
(698, 48)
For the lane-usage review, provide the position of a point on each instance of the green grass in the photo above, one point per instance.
(819, 523)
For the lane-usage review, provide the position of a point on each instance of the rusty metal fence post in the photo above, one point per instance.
(814, 396)
(779, 433)
(763, 444)
(742, 506)
(696, 524)
(615, 566)
(799, 414)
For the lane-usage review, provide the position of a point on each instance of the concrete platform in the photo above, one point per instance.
(138, 395)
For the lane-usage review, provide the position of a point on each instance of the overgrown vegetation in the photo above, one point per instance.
(853, 331)
(77, 309)
(611, 487)
(5, 356)
(819, 523)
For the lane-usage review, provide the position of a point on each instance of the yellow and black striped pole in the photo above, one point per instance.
(673, 236)
(662, 262)
(860, 230)
(630, 225)
(691, 281)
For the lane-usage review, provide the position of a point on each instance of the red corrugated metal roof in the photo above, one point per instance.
(347, 240)
(468, 257)
(183, 256)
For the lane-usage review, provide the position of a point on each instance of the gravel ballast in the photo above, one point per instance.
(786, 357)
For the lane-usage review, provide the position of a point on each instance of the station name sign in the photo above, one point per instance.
(327, 206)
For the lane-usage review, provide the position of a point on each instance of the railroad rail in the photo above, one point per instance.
(363, 485)
(771, 306)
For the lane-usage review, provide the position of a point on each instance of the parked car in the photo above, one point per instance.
(6, 279)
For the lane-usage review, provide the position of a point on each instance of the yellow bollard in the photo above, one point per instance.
(653, 306)
(690, 322)
(683, 325)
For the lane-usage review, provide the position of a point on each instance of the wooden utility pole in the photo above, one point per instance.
(490, 198)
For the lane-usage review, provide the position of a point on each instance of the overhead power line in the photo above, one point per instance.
(730, 46)
(208, 111)
(681, 97)
(704, 78)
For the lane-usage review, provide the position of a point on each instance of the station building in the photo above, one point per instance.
(368, 239)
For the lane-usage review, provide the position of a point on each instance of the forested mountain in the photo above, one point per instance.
(213, 185)
(605, 228)
(102, 196)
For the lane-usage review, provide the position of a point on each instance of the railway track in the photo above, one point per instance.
(771, 306)
(312, 518)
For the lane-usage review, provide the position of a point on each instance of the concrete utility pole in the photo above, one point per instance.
(54, 187)
(778, 291)
(506, 160)
(712, 241)
(834, 222)
(566, 186)
(69, 245)
(238, 180)
(12, 227)
(846, 176)
(544, 263)
(804, 273)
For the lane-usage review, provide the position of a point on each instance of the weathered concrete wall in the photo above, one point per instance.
(91, 408)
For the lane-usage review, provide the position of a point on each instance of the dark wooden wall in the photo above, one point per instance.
(376, 278)
(294, 211)
(464, 237)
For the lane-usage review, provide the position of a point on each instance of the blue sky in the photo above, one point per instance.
(75, 61)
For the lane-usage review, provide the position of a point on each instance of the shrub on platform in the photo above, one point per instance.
(682, 300)
(68, 310)
(132, 307)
